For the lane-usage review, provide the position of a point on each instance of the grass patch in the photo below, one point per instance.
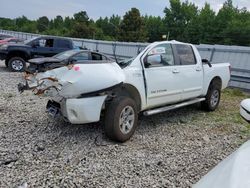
(228, 113)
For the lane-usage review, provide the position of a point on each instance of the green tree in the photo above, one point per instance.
(132, 28)
(81, 26)
(238, 30)
(154, 28)
(223, 19)
(177, 18)
(42, 24)
(58, 22)
(81, 17)
(202, 28)
(109, 27)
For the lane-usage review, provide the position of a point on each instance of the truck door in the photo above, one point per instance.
(190, 71)
(163, 85)
(44, 48)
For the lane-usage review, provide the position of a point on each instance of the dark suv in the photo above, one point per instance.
(16, 55)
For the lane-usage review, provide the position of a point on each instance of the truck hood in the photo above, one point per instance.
(39, 61)
(19, 45)
(74, 80)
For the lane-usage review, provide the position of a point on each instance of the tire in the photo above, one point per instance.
(16, 64)
(117, 125)
(212, 98)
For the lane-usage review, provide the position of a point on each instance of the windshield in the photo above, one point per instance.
(27, 42)
(65, 55)
(126, 62)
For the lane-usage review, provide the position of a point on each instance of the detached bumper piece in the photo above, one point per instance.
(53, 108)
(245, 109)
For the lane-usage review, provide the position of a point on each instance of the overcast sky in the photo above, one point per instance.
(34, 9)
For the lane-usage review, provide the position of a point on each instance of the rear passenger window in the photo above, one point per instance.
(104, 58)
(63, 44)
(82, 56)
(96, 56)
(186, 54)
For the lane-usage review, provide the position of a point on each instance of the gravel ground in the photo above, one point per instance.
(173, 149)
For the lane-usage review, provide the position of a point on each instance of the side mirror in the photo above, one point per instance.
(153, 60)
(205, 61)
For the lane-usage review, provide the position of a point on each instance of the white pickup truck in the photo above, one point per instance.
(164, 76)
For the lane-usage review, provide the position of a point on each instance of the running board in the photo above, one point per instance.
(171, 107)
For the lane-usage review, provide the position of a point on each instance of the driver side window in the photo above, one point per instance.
(82, 56)
(48, 43)
(161, 55)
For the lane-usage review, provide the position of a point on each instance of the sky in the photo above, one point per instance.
(34, 9)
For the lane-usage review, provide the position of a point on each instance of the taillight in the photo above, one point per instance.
(230, 69)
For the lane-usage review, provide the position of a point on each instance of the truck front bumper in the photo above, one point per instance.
(79, 110)
(3, 54)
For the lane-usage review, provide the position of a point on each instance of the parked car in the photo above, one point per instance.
(4, 36)
(10, 40)
(64, 58)
(16, 55)
(234, 170)
(164, 76)
(245, 109)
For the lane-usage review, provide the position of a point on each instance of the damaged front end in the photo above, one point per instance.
(47, 86)
(78, 91)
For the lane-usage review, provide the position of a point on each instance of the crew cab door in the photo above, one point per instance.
(62, 45)
(163, 84)
(43, 47)
(190, 71)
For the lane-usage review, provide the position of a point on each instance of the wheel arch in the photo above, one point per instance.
(131, 91)
(17, 53)
(215, 80)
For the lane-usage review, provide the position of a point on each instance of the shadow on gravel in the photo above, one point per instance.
(4, 69)
(95, 132)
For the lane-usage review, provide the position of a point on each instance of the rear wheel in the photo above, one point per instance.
(212, 98)
(16, 64)
(121, 119)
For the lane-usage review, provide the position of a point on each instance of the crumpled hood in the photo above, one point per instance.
(39, 61)
(74, 80)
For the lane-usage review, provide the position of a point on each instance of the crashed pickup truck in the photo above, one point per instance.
(164, 76)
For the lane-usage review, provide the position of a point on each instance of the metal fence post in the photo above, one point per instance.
(212, 55)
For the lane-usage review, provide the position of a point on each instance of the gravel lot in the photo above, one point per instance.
(173, 149)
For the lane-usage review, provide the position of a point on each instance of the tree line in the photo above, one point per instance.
(182, 21)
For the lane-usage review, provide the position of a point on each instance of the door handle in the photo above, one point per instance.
(175, 71)
(198, 69)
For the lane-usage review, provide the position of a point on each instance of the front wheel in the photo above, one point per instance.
(121, 119)
(212, 98)
(16, 64)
